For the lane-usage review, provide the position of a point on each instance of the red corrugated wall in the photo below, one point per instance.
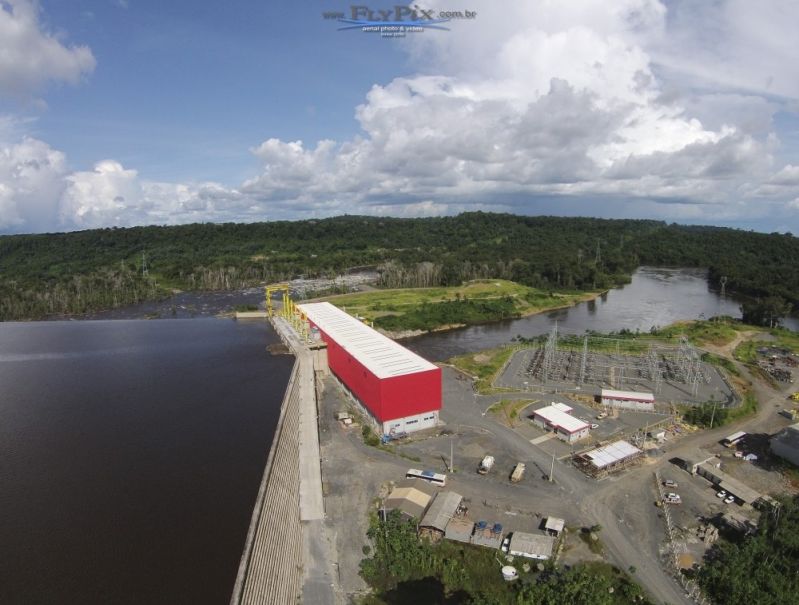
(387, 398)
(411, 394)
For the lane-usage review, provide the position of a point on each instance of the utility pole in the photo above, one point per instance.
(713, 414)
(552, 467)
(451, 455)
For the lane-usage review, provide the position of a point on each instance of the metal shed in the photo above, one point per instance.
(531, 546)
(411, 497)
(459, 530)
(441, 512)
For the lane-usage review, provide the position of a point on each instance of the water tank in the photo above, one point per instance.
(509, 573)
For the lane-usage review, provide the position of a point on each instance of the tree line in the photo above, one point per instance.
(89, 270)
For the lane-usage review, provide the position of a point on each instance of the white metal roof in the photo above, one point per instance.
(612, 453)
(560, 419)
(562, 407)
(538, 546)
(381, 355)
(736, 436)
(627, 395)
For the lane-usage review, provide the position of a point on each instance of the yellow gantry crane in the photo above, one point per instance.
(272, 289)
(289, 312)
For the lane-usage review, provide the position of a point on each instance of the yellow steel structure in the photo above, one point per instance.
(271, 289)
(289, 312)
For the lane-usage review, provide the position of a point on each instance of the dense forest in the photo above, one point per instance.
(762, 568)
(73, 273)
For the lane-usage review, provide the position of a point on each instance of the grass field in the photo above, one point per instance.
(434, 308)
(507, 410)
(703, 332)
(484, 366)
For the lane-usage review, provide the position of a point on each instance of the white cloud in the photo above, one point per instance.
(732, 44)
(618, 107)
(113, 195)
(30, 56)
(538, 99)
(31, 182)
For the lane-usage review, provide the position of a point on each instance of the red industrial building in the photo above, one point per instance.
(399, 389)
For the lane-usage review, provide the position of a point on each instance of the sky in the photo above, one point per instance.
(134, 112)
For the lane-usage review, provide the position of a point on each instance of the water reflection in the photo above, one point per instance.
(655, 297)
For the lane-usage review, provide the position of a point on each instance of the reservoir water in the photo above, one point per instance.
(654, 297)
(130, 457)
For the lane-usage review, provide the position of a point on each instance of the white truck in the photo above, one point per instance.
(485, 465)
(518, 472)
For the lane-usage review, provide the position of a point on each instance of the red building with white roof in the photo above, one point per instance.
(399, 389)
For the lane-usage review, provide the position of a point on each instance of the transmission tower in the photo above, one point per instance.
(723, 286)
(144, 270)
(654, 369)
(584, 359)
(550, 351)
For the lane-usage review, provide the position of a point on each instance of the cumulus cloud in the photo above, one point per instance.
(30, 56)
(31, 182)
(540, 99)
(630, 108)
(111, 194)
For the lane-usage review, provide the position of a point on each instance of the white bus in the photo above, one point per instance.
(733, 439)
(429, 476)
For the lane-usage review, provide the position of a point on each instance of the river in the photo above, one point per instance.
(654, 297)
(131, 454)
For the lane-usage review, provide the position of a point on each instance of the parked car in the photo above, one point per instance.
(594, 426)
(601, 415)
(672, 498)
(722, 494)
(670, 483)
(729, 499)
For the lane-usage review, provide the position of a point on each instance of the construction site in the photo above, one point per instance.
(674, 373)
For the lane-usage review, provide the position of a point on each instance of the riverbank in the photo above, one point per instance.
(409, 312)
(403, 334)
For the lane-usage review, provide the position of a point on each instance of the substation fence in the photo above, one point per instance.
(561, 360)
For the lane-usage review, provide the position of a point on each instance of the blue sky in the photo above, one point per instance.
(135, 112)
(183, 89)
